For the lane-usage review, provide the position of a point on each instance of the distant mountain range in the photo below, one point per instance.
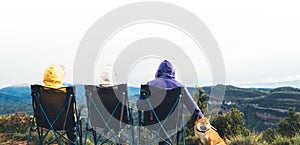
(262, 107)
(294, 83)
(15, 99)
(18, 98)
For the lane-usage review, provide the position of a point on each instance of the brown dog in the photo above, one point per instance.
(206, 134)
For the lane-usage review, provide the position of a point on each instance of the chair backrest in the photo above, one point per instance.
(54, 106)
(163, 107)
(107, 105)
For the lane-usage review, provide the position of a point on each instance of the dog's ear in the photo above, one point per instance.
(199, 117)
(209, 117)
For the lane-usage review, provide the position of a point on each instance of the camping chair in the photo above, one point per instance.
(108, 109)
(55, 111)
(161, 113)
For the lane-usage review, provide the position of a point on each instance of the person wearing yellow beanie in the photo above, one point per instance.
(54, 76)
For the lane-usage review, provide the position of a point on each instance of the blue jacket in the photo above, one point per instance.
(165, 78)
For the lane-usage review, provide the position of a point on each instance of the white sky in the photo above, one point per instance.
(259, 39)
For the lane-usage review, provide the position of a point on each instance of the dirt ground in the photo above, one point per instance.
(4, 141)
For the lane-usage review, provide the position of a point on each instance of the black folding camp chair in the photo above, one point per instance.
(55, 111)
(108, 109)
(161, 113)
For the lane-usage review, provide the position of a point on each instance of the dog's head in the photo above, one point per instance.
(202, 124)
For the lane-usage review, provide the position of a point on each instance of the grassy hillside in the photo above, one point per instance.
(262, 107)
(15, 103)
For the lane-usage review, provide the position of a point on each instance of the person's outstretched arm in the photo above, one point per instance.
(191, 104)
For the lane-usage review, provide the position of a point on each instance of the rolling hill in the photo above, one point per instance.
(262, 108)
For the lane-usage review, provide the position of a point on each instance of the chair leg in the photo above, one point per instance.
(182, 138)
(177, 137)
(40, 132)
(86, 132)
(28, 137)
(182, 132)
(41, 138)
(95, 136)
(139, 128)
(30, 131)
(131, 129)
(80, 132)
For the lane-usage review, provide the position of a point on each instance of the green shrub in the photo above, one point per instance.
(230, 124)
(191, 140)
(269, 135)
(279, 140)
(15, 123)
(296, 140)
(290, 126)
(252, 139)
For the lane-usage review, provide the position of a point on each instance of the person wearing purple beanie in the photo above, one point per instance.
(165, 78)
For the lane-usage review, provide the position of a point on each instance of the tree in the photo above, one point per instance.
(290, 126)
(202, 100)
(269, 135)
(230, 124)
